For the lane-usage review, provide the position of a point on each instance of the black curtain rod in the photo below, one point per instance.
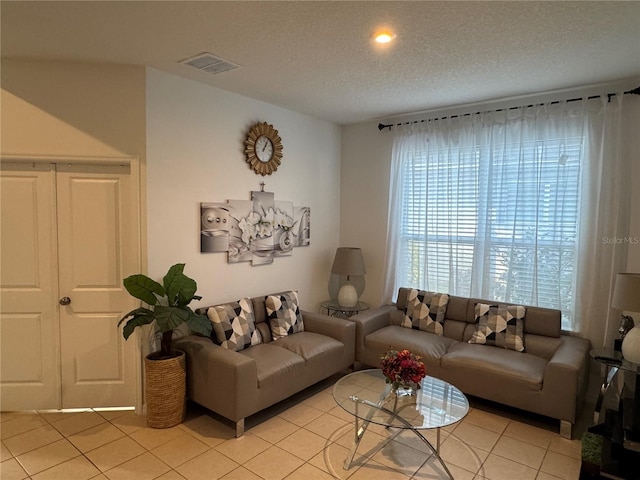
(382, 126)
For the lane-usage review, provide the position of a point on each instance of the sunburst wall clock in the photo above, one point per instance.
(263, 149)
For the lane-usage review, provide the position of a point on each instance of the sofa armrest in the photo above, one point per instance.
(368, 322)
(338, 328)
(567, 374)
(221, 380)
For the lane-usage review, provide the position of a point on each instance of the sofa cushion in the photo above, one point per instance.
(500, 325)
(274, 364)
(233, 325)
(319, 351)
(426, 345)
(425, 311)
(502, 366)
(540, 320)
(283, 312)
(309, 345)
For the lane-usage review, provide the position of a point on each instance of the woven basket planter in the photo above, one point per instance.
(165, 391)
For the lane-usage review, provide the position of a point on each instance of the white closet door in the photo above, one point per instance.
(69, 237)
(97, 237)
(29, 340)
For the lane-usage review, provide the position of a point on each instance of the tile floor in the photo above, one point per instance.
(306, 438)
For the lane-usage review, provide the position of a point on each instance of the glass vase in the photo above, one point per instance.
(402, 389)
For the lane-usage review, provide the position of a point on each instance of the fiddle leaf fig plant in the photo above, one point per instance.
(168, 306)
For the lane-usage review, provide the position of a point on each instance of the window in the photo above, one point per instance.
(497, 220)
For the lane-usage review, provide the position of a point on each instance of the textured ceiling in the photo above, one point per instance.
(318, 58)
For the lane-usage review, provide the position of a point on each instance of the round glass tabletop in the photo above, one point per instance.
(366, 395)
(613, 358)
(335, 306)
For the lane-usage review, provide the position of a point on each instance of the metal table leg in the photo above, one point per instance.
(360, 432)
(360, 429)
(609, 374)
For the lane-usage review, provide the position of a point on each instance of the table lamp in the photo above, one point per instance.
(626, 296)
(348, 261)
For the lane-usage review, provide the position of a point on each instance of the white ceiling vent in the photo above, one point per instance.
(207, 62)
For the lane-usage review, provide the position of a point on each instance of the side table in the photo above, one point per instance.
(613, 361)
(334, 309)
(618, 426)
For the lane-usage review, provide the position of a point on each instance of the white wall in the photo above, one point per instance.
(366, 155)
(195, 153)
(366, 159)
(72, 109)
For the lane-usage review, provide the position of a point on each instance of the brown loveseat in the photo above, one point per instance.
(549, 378)
(236, 384)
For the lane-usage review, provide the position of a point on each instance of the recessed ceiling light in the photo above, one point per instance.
(384, 36)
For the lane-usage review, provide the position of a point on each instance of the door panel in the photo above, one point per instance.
(29, 373)
(97, 248)
(93, 212)
(97, 361)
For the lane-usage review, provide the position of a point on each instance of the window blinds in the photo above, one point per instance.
(496, 221)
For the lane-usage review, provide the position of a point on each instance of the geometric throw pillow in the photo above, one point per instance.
(500, 325)
(284, 315)
(234, 326)
(425, 311)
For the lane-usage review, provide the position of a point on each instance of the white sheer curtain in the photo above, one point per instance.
(605, 220)
(516, 206)
(408, 140)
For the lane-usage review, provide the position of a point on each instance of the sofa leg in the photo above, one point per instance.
(565, 429)
(240, 428)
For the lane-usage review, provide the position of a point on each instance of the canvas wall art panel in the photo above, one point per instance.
(256, 230)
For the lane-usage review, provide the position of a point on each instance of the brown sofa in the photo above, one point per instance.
(238, 384)
(549, 378)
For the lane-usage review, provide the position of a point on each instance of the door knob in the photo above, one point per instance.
(65, 301)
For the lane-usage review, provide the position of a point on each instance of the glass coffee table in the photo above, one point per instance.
(367, 397)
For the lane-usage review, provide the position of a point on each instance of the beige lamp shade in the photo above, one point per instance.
(626, 293)
(348, 261)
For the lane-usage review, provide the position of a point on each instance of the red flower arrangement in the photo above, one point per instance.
(402, 368)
